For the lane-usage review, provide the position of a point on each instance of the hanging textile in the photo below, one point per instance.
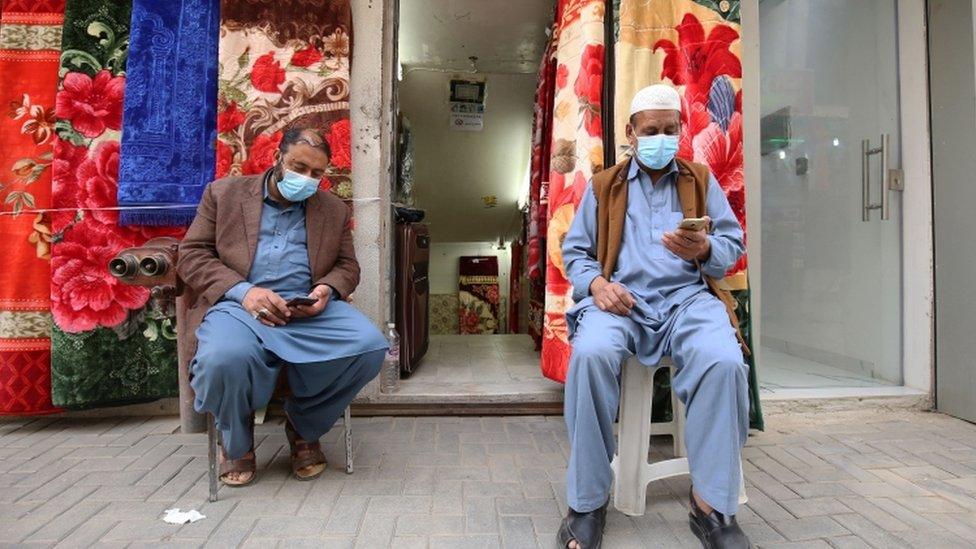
(577, 153)
(283, 63)
(515, 286)
(170, 110)
(694, 46)
(30, 44)
(107, 346)
(539, 191)
(478, 294)
(405, 168)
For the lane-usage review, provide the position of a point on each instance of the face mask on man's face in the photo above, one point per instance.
(656, 151)
(296, 187)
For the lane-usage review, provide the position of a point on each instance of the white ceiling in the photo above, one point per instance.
(507, 36)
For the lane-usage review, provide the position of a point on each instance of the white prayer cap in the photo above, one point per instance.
(657, 97)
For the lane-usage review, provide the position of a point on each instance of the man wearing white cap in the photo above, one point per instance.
(646, 286)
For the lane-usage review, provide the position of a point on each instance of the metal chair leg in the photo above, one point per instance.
(212, 456)
(347, 434)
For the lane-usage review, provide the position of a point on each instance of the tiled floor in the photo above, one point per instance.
(508, 364)
(867, 479)
(481, 365)
(780, 370)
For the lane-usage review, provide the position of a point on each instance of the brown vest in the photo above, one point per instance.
(610, 188)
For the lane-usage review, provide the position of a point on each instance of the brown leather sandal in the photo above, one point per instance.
(245, 464)
(304, 454)
(242, 465)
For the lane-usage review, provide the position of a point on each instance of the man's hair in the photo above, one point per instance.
(305, 136)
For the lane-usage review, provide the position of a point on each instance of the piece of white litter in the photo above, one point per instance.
(175, 516)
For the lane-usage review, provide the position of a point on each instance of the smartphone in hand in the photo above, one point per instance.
(693, 223)
(300, 301)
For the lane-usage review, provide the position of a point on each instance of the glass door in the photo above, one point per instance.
(831, 223)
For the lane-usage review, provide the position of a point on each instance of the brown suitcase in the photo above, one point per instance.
(412, 291)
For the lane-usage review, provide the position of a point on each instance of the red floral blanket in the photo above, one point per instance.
(30, 44)
(478, 295)
(283, 63)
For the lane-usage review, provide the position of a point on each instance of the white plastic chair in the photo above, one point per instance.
(631, 470)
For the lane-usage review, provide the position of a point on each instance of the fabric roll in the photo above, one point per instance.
(282, 64)
(478, 295)
(515, 286)
(107, 347)
(170, 119)
(576, 154)
(30, 43)
(539, 192)
(655, 43)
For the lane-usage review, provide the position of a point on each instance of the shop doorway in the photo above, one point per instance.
(839, 143)
(466, 78)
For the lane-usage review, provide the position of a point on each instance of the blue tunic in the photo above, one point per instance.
(674, 315)
(330, 357)
(659, 280)
(281, 264)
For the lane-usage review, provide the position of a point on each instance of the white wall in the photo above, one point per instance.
(454, 169)
(370, 89)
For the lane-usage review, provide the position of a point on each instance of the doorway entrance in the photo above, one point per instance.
(831, 201)
(467, 74)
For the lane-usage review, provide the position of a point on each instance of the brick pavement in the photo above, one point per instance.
(850, 479)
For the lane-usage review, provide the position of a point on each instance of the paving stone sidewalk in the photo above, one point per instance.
(852, 479)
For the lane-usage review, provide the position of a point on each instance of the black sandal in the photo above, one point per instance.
(586, 529)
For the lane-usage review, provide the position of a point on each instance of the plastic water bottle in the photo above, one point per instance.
(390, 374)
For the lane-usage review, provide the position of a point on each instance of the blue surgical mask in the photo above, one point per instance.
(296, 187)
(656, 151)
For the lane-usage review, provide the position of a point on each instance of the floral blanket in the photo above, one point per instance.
(695, 46)
(576, 154)
(283, 63)
(478, 295)
(30, 44)
(107, 346)
(170, 110)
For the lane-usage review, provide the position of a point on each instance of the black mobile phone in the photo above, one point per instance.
(296, 301)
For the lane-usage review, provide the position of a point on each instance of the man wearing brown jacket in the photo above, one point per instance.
(267, 264)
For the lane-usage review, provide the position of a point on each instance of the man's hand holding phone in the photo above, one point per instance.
(314, 304)
(690, 240)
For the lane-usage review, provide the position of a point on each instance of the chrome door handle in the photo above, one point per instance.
(891, 179)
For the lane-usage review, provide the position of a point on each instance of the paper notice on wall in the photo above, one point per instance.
(467, 117)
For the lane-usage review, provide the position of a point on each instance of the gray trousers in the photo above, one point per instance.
(233, 375)
(711, 380)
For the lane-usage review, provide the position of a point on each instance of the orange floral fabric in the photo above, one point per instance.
(576, 154)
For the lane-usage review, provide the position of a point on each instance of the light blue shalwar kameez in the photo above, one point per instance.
(329, 358)
(675, 315)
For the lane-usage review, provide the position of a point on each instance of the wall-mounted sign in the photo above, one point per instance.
(467, 105)
(467, 117)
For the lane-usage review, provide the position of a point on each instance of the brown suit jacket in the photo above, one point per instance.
(219, 248)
